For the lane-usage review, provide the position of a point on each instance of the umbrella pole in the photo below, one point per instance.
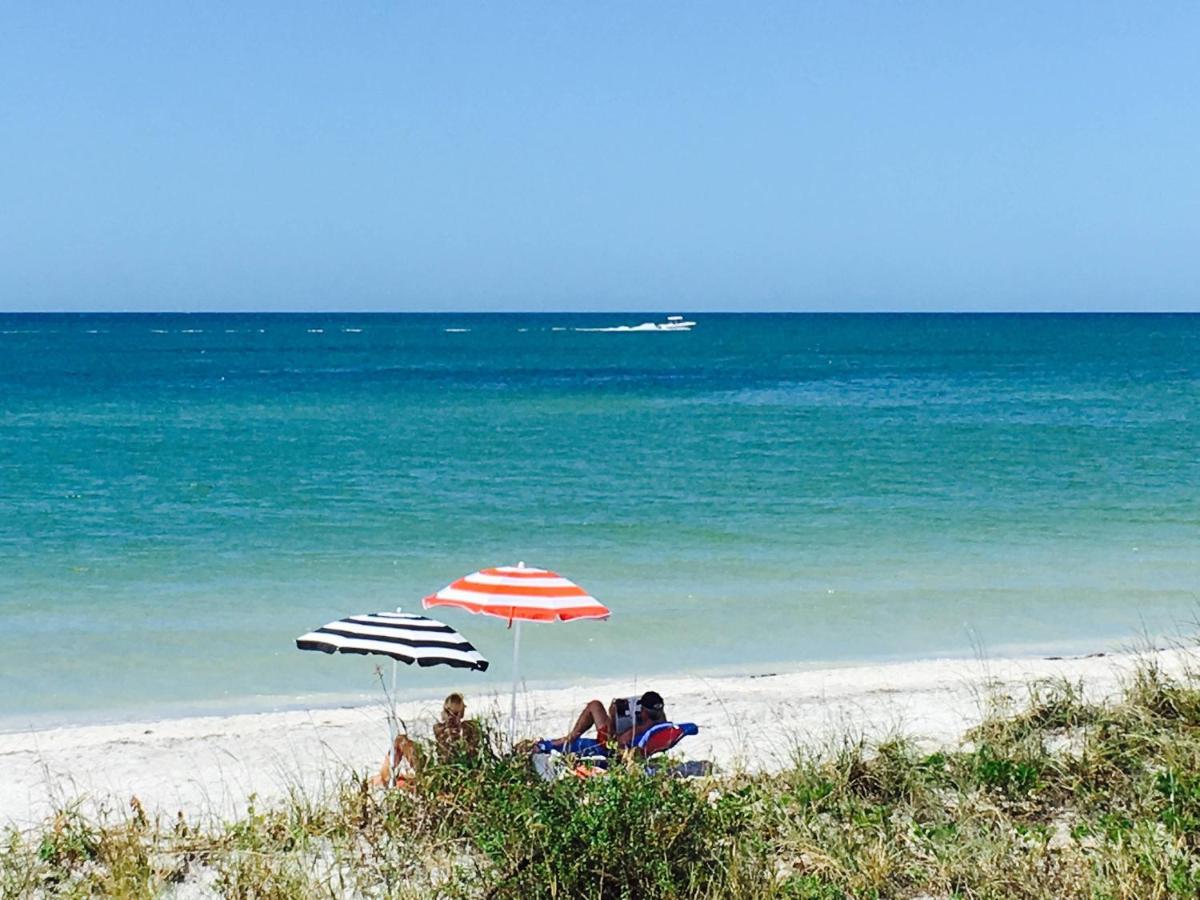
(512, 712)
(393, 724)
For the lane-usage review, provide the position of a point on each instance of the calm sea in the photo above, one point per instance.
(182, 495)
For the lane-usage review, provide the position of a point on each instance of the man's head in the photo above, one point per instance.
(652, 705)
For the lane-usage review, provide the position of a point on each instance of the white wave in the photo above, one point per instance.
(559, 328)
(645, 326)
(456, 330)
(158, 331)
(352, 330)
(191, 331)
(316, 331)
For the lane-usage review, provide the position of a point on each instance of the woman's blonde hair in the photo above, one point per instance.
(454, 705)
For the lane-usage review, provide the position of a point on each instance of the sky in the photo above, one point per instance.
(583, 156)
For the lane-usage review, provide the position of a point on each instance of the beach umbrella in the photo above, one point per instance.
(405, 637)
(519, 593)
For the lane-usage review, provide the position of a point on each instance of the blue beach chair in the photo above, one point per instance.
(655, 740)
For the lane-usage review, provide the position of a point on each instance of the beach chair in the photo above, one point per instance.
(663, 736)
(591, 756)
(657, 739)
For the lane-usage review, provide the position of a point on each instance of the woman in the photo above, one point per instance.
(453, 736)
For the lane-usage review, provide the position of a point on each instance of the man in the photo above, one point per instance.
(650, 712)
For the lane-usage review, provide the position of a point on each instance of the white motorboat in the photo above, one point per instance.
(673, 323)
(676, 323)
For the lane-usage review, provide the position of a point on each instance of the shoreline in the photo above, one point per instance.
(417, 688)
(207, 767)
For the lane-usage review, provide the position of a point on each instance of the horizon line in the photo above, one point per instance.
(599, 312)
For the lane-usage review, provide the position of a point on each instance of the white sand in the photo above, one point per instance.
(209, 766)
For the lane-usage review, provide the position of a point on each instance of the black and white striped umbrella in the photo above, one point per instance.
(402, 636)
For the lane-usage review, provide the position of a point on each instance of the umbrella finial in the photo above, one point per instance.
(521, 564)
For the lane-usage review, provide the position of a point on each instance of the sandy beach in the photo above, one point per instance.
(208, 767)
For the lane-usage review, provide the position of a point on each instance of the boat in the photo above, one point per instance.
(673, 323)
(676, 323)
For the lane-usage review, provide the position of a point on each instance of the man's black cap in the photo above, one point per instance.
(651, 700)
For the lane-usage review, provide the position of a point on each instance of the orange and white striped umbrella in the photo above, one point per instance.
(520, 593)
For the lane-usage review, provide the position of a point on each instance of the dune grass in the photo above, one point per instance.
(1051, 796)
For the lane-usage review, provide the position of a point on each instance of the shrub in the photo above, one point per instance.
(1113, 811)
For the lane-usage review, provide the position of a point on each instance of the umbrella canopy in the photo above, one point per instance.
(518, 592)
(402, 636)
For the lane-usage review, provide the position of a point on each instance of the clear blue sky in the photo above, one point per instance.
(690, 156)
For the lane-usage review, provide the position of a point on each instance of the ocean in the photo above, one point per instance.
(182, 495)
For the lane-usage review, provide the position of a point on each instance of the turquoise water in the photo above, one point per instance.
(180, 496)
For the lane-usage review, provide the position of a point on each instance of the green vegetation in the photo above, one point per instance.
(1052, 797)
